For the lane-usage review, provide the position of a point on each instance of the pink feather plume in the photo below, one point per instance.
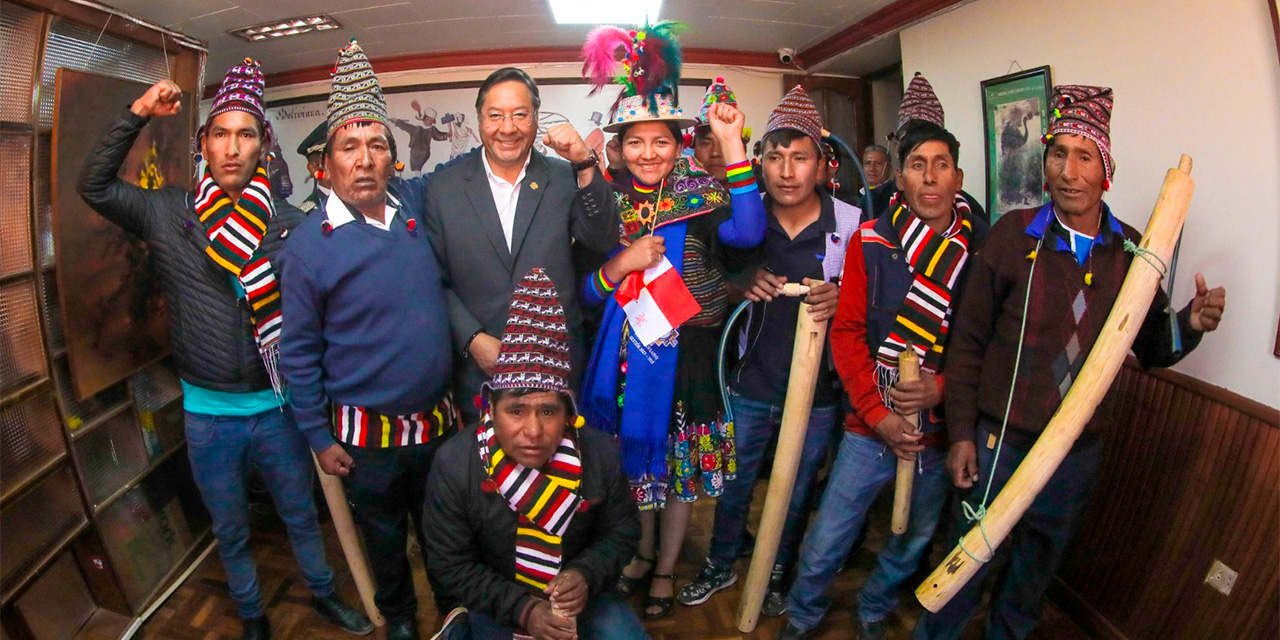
(600, 55)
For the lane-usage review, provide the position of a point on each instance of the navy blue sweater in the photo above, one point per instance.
(366, 323)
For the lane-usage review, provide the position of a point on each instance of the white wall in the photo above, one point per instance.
(1191, 76)
(758, 91)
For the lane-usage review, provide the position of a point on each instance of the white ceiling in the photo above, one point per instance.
(397, 27)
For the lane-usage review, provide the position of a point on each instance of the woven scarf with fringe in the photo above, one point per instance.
(545, 501)
(235, 231)
(935, 261)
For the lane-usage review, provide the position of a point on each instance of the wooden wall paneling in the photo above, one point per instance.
(1190, 476)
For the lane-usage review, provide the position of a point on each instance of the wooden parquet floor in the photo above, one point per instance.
(201, 609)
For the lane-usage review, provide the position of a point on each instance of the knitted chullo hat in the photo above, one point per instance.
(717, 92)
(1084, 111)
(241, 90)
(797, 111)
(649, 73)
(920, 103)
(356, 95)
(534, 353)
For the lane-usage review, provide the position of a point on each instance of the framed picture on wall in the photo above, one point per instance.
(1015, 111)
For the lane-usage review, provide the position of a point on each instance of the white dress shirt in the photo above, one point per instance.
(338, 214)
(505, 195)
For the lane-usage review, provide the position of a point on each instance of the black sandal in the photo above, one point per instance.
(664, 605)
(628, 585)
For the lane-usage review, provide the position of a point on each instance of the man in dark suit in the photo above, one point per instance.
(505, 208)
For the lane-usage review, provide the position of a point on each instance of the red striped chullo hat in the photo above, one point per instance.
(1084, 111)
(797, 111)
(920, 103)
(534, 353)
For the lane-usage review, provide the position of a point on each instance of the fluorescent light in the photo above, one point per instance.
(287, 27)
(628, 12)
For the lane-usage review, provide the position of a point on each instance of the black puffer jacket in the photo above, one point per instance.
(471, 535)
(210, 330)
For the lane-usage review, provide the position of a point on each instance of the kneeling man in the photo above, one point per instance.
(529, 519)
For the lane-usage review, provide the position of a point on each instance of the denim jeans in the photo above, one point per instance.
(606, 617)
(754, 424)
(387, 487)
(223, 451)
(1035, 546)
(863, 467)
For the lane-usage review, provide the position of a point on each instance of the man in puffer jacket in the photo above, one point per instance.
(212, 251)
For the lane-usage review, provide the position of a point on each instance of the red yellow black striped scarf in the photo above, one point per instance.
(936, 261)
(545, 501)
(235, 232)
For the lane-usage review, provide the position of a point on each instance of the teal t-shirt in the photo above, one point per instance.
(227, 403)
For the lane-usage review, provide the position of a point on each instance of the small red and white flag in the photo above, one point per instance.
(655, 301)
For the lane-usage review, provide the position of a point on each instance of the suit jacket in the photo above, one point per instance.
(480, 271)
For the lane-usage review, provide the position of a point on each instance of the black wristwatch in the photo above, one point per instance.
(591, 161)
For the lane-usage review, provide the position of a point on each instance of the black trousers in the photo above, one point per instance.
(387, 489)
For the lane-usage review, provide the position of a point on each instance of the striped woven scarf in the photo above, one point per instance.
(235, 232)
(545, 501)
(936, 261)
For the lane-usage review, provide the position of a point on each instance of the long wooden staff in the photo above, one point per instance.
(351, 547)
(1077, 408)
(908, 371)
(805, 358)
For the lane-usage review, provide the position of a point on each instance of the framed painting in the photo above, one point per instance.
(115, 318)
(1015, 110)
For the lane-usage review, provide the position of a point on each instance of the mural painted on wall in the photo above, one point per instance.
(434, 124)
(115, 317)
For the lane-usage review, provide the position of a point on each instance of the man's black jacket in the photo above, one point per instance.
(210, 329)
(471, 534)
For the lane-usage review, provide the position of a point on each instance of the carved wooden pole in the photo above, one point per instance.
(336, 498)
(1082, 400)
(908, 371)
(806, 356)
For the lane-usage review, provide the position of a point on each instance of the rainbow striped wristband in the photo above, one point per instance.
(742, 180)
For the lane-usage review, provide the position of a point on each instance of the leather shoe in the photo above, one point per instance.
(791, 632)
(256, 629)
(342, 616)
(402, 629)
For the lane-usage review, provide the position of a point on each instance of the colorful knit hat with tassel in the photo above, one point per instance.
(242, 90)
(534, 353)
(356, 95)
(797, 111)
(646, 63)
(718, 91)
(1084, 111)
(920, 103)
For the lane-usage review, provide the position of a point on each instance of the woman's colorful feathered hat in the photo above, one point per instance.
(646, 63)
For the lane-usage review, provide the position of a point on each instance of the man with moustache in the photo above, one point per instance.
(370, 378)
(215, 253)
(891, 299)
(505, 208)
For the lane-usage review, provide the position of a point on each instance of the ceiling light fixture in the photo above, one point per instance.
(286, 27)
(627, 12)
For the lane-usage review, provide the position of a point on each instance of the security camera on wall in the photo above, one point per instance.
(786, 55)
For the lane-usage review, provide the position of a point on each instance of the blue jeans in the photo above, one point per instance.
(606, 617)
(754, 425)
(863, 467)
(223, 451)
(1035, 545)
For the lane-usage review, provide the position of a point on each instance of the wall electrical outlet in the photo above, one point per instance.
(1221, 577)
